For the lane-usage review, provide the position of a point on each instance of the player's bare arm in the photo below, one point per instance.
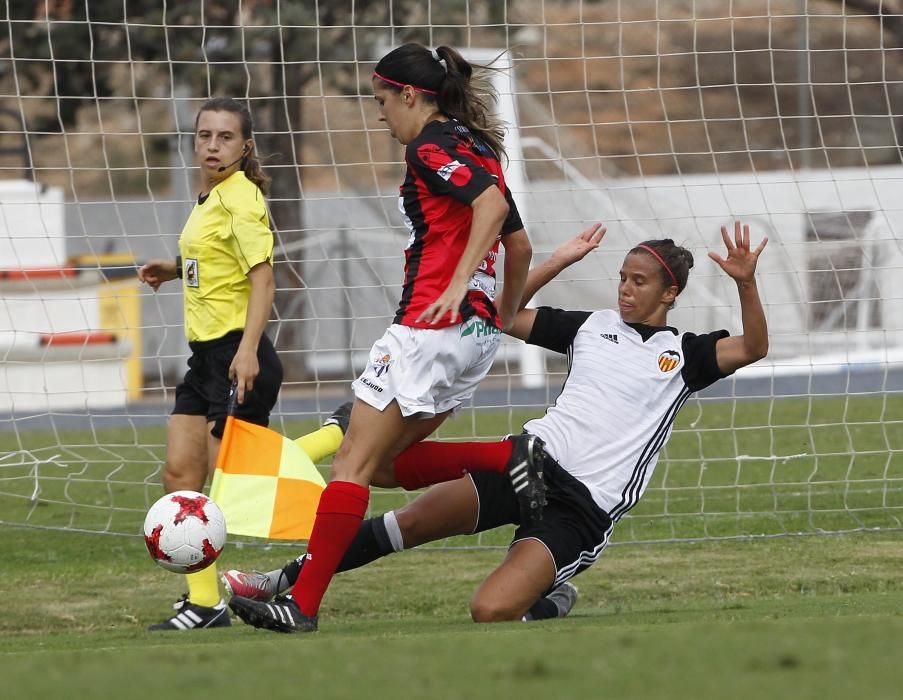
(740, 265)
(518, 253)
(562, 257)
(245, 366)
(157, 271)
(489, 212)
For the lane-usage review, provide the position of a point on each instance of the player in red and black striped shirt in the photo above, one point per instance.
(448, 169)
(445, 334)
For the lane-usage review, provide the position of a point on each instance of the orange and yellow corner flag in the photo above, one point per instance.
(265, 484)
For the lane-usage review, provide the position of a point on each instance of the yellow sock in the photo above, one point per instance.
(203, 587)
(321, 443)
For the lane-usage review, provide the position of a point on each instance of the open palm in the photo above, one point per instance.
(740, 263)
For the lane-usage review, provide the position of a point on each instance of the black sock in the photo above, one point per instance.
(369, 544)
(291, 571)
(543, 609)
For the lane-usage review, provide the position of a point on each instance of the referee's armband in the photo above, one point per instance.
(179, 266)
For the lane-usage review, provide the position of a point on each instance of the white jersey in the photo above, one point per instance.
(625, 384)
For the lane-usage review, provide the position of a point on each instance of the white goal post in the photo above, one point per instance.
(660, 119)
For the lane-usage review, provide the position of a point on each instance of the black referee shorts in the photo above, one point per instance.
(573, 528)
(204, 391)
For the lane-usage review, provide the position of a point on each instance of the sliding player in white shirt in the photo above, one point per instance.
(629, 375)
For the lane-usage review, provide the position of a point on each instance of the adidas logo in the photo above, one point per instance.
(610, 337)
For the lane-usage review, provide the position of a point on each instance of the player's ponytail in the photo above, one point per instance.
(254, 171)
(467, 95)
(676, 261)
(250, 162)
(460, 89)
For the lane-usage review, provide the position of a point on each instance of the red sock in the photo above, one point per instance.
(427, 463)
(339, 515)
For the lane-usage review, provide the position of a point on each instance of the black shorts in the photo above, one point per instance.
(573, 528)
(204, 391)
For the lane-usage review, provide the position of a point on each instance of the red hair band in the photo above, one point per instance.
(401, 85)
(664, 264)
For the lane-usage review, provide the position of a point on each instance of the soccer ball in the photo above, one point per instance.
(184, 531)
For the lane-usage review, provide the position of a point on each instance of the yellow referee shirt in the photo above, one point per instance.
(226, 235)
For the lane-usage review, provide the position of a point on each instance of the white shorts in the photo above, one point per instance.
(427, 371)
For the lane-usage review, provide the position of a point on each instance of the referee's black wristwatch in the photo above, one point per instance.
(179, 266)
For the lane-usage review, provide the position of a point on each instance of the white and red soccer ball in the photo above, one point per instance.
(185, 531)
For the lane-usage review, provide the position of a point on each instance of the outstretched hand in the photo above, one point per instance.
(740, 264)
(580, 246)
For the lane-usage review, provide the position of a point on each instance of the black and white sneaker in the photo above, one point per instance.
(524, 469)
(190, 617)
(340, 417)
(280, 615)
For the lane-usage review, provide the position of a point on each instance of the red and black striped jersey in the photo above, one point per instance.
(448, 167)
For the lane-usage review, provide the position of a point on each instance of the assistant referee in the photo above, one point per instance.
(226, 265)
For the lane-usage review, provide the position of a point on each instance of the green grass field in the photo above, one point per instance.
(786, 617)
(802, 617)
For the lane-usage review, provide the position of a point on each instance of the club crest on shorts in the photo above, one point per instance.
(381, 366)
(668, 360)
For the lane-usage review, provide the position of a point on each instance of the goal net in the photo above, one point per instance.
(660, 119)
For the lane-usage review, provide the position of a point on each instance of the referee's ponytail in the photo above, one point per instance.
(250, 163)
(675, 260)
(460, 89)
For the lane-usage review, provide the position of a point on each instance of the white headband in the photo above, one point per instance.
(435, 55)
